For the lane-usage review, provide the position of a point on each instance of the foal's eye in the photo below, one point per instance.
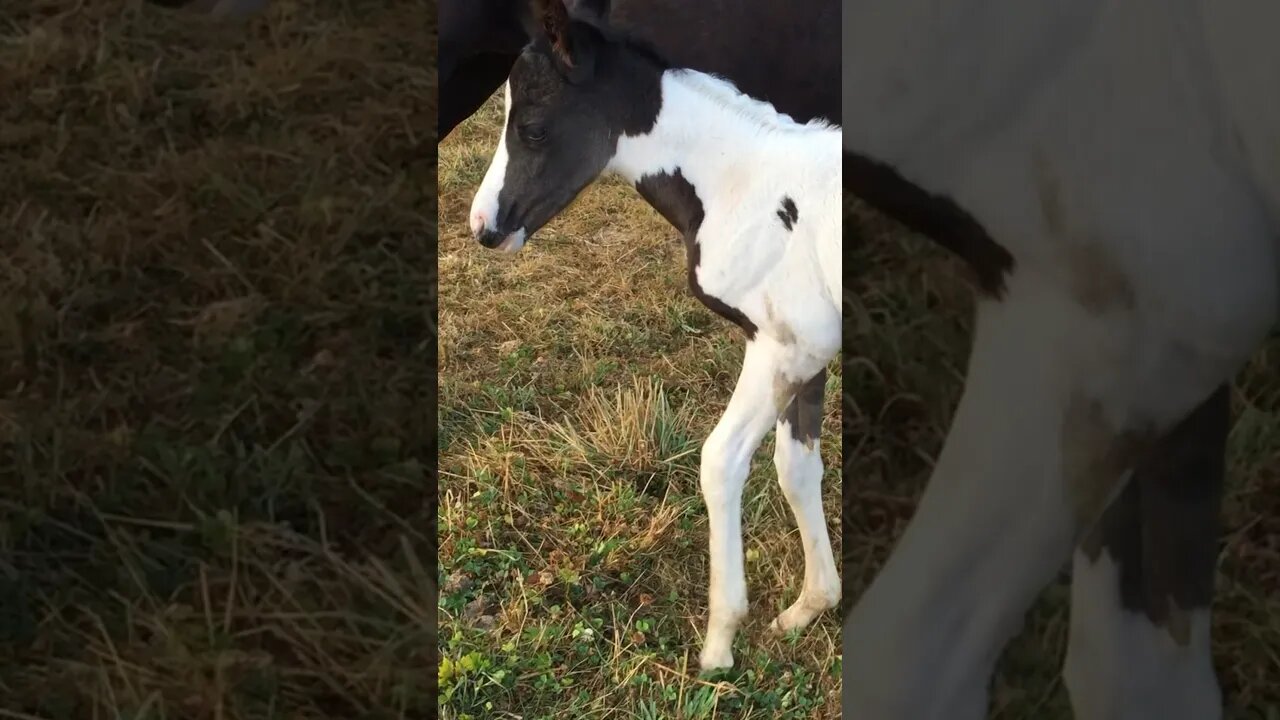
(533, 133)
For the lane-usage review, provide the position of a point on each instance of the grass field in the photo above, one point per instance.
(216, 353)
(577, 382)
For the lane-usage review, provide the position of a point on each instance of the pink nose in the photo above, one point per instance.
(477, 222)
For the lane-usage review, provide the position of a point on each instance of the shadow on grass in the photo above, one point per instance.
(217, 352)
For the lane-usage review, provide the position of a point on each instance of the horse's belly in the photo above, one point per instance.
(1113, 185)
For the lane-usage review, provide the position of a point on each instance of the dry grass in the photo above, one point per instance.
(907, 334)
(578, 380)
(216, 274)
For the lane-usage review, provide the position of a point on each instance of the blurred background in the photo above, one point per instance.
(217, 352)
(908, 324)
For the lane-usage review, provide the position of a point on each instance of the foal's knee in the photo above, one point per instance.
(716, 468)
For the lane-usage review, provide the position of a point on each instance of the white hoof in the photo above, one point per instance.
(715, 658)
(803, 612)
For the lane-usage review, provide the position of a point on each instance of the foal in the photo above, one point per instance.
(757, 197)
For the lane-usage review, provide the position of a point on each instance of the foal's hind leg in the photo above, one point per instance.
(761, 391)
(1143, 581)
(798, 459)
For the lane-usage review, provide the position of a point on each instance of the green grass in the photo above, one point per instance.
(578, 380)
(216, 426)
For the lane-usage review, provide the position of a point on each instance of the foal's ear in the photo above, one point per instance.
(552, 18)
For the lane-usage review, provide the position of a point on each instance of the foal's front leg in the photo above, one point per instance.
(726, 460)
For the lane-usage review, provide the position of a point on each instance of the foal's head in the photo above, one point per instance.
(571, 94)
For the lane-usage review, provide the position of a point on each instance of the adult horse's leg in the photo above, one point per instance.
(1143, 582)
(1054, 412)
(993, 526)
(798, 459)
(465, 89)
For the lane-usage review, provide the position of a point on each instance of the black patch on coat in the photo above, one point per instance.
(804, 413)
(788, 214)
(1162, 530)
(677, 201)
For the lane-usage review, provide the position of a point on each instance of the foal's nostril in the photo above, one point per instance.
(490, 238)
(477, 223)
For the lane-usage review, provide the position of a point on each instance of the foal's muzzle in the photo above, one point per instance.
(491, 238)
(506, 242)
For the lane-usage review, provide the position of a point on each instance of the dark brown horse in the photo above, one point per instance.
(787, 53)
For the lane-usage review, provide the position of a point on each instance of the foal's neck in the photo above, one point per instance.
(707, 129)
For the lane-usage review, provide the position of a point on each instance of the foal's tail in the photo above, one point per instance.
(219, 8)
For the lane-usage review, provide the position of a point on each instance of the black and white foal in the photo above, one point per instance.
(757, 197)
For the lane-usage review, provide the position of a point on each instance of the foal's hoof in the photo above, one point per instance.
(713, 659)
(802, 614)
(793, 618)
